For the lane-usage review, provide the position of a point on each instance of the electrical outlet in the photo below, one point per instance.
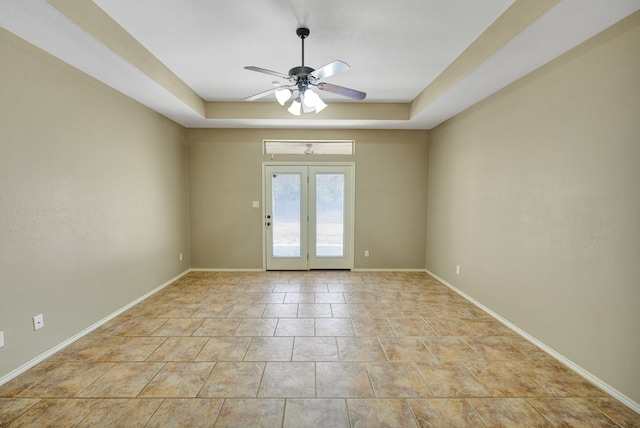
(457, 270)
(366, 253)
(180, 256)
(1, 339)
(38, 322)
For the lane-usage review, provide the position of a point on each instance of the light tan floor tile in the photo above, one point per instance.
(177, 310)
(257, 327)
(411, 327)
(372, 327)
(123, 380)
(397, 379)
(505, 379)
(480, 373)
(572, 412)
(449, 327)
(487, 327)
(382, 311)
(360, 349)
(286, 288)
(179, 349)
(334, 327)
(615, 410)
(55, 413)
(299, 298)
(444, 412)
(130, 349)
(314, 310)
(341, 379)
(235, 379)
(329, 298)
(315, 349)
(247, 310)
(218, 327)
(186, 412)
(339, 288)
(258, 413)
(178, 327)
(269, 297)
(450, 311)
(139, 327)
(295, 327)
(261, 288)
(288, 379)
(558, 380)
(29, 378)
(280, 310)
(494, 348)
(12, 408)
(120, 412)
(507, 412)
(67, 380)
(360, 296)
(350, 310)
(224, 349)
(531, 351)
(451, 379)
(450, 348)
(178, 380)
(389, 413)
(89, 348)
(405, 349)
(313, 413)
(314, 288)
(212, 310)
(270, 349)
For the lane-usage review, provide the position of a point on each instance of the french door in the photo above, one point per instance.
(308, 216)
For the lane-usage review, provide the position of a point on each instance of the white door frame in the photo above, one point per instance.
(349, 209)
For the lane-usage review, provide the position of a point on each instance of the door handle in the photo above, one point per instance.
(268, 223)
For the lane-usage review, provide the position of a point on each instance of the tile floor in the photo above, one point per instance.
(310, 349)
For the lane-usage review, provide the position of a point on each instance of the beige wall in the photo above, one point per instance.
(534, 193)
(94, 205)
(225, 167)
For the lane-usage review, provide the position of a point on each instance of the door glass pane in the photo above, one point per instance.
(330, 215)
(286, 215)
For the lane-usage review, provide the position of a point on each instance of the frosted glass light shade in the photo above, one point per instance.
(283, 95)
(312, 100)
(294, 109)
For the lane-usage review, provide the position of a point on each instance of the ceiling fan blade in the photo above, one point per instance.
(330, 69)
(265, 71)
(261, 94)
(341, 90)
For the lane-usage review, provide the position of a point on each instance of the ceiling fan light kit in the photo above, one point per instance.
(300, 81)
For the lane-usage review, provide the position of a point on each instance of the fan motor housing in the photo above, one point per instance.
(301, 72)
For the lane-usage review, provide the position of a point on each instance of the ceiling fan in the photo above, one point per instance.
(302, 79)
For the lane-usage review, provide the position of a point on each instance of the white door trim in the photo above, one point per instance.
(349, 207)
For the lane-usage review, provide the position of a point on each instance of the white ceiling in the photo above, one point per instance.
(396, 49)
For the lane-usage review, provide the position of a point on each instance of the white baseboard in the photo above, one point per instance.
(226, 270)
(567, 362)
(26, 366)
(386, 270)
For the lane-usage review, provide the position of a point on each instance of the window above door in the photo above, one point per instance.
(308, 147)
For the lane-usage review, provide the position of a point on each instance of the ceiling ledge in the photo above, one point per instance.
(334, 111)
(520, 15)
(94, 21)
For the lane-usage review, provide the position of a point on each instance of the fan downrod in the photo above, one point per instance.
(302, 72)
